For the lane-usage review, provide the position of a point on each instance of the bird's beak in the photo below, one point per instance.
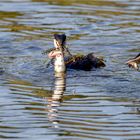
(56, 44)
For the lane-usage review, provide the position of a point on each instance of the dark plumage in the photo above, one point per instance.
(84, 62)
(61, 39)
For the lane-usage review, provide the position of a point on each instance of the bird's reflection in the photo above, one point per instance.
(55, 101)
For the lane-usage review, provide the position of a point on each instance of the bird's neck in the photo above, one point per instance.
(59, 63)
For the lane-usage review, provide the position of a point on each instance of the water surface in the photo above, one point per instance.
(102, 104)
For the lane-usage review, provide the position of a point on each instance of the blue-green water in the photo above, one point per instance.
(102, 104)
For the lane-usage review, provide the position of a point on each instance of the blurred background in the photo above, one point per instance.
(101, 104)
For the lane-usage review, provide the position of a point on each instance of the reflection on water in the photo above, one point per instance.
(55, 100)
(100, 104)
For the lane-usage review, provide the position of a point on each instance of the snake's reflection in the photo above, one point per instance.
(55, 101)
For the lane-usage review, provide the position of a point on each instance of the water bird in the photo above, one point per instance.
(64, 59)
(134, 62)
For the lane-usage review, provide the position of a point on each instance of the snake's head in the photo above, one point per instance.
(54, 54)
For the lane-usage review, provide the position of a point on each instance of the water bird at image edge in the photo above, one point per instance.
(134, 62)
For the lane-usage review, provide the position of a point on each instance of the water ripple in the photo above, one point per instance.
(101, 104)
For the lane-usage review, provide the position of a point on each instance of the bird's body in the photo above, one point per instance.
(78, 62)
(134, 62)
(84, 62)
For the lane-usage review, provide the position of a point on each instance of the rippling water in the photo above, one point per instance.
(102, 104)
